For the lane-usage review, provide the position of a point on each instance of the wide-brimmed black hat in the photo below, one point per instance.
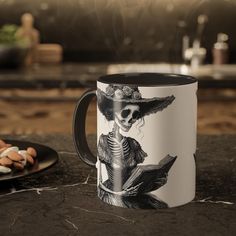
(116, 97)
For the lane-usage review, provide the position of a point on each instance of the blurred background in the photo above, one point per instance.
(51, 51)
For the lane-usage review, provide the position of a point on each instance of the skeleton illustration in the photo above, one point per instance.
(127, 116)
(121, 155)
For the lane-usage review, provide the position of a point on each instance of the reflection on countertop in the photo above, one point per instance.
(71, 75)
(201, 72)
(45, 97)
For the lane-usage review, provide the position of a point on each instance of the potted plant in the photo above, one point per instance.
(13, 50)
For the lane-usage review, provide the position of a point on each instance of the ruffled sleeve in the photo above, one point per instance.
(103, 150)
(138, 151)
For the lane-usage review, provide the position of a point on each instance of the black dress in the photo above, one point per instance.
(120, 159)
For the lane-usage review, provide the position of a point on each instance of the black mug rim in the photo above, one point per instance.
(148, 79)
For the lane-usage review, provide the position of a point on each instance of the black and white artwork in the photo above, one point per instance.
(129, 183)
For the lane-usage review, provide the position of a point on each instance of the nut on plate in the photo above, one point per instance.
(15, 156)
(6, 162)
(29, 159)
(18, 165)
(32, 152)
(8, 150)
(4, 170)
(2, 143)
(2, 149)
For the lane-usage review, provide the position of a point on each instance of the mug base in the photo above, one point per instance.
(142, 201)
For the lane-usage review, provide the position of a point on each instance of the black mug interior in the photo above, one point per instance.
(148, 79)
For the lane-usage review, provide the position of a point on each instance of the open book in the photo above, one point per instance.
(152, 177)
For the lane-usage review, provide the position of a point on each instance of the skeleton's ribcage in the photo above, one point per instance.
(120, 150)
(118, 171)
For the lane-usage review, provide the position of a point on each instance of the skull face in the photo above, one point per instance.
(127, 116)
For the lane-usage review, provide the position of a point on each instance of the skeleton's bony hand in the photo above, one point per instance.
(132, 191)
(154, 185)
(160, 182)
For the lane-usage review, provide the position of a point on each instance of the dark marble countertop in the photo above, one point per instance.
(66, 75)
(62, 200)
(80, 75)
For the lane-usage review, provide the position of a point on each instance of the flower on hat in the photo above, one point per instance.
(123, 92)
(119, 94)
(110, 90)
(136, 95)
(127, 91)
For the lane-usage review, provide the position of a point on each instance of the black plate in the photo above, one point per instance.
(46, 158)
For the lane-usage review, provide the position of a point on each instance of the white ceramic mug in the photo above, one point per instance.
(146, 139)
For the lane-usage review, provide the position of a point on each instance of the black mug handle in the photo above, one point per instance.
(79, 134)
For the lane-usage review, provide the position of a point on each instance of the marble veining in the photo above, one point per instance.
(63, 200)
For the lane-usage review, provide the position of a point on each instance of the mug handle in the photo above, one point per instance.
(79, 134)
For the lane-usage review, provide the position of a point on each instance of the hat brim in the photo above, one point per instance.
(147, 105)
